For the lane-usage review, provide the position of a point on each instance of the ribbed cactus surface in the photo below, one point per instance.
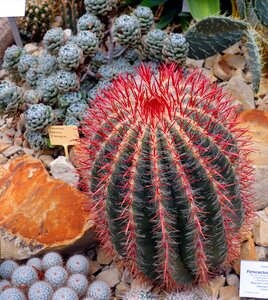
(167, 169)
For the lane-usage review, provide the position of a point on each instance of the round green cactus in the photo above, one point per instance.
(38, 117)
(36, 140)
(70, 57)
(153, 43)
(88, 42)
(49, 90)
(67, 81)
(26, 62)
(12, 57)
(10, 98)
(100, 7)
(53, 40)
(146, 18)
(89, 22)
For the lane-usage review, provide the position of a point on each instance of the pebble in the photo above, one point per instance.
(110, 276)
(102, 257)
(11, 151)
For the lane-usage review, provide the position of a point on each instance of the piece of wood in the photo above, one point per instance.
(15, 31)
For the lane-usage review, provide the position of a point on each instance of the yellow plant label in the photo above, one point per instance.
(63, 136)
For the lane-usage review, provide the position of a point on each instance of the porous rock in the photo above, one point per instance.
(40, 214)
(110, 276)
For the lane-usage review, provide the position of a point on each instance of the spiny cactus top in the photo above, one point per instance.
(137, 294)
(12, 57)
(99, 290)
(168, 172)
(12, 293)
(10, 97)
(38, 117)
(91, 23)
(88, 42)
(26, 62)
(175, 48)
(127, 30)
(53, 40)
(65, 293)
(146, 18)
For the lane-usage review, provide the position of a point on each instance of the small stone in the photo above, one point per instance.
(111, 277)
(18, 141)
(3, 159)
(138, 283)
(232, 279)
(46, 159)
(241, 91)
(102, 257)
(28, 151)
(11, 151)
(194, 63)
(221, 70)
(67, 33)
(30, 48)
(61, 168)
(266, 211)
(3, 73)
(209, 74)
(262, 253)
(234, 49)
(210, 61)
(121, 289)
(94, 266)
(247, 252)
(214, 286)
(260, 229)
(235, 61)
(228, 292)
(4, 146)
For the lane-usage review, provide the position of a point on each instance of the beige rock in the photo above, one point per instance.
(213, 287)
(221, 69)
(3, 74)
(3, 159)
(121, 289)
(232, 279)
(260, 229)
(126, 277)
(263, 87)
(46, 159)
(94, 266)
(31, 48)
(247, 252)
(138, 283)
(194, 63)
(234, 49)
(235, 61)
(6, 36)
(209, 74)
(4, 146)
(262, 253)
(110, 276)
(228, 292)
(11, 150)
(266, 211)
(263, 103)
(210, 61)
(240, 91)
(102, 257)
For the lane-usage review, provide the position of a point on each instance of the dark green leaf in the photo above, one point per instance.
(242, 9)
(152, 3)
(132, 2)
(170, 10)
(261, 10)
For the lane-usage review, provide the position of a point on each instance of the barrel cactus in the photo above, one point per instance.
(168, 173)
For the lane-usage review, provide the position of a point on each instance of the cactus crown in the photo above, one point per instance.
(167, 170)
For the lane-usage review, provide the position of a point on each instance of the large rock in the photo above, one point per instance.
(257, 123)
(6, 36)
(39, 214)
(260, 229)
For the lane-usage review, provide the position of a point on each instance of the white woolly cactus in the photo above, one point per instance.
(7, 268)
(65, 293)
(78, 264)
(40, 290)
(4, 284)
(139, 294)
(35, 263)
(12, 294)
(51, 259)
(56, 276)
(78, 283)
(99, 290)
(24, 276)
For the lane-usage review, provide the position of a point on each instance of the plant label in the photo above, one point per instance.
(254, 279)
(63, 136)
(12, 8)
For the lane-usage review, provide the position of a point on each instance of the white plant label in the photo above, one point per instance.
(12, 8)
(254, 279)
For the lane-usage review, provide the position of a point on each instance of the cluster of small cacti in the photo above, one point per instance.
(48, 278)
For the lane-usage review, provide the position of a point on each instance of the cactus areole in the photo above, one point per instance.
(167, 169)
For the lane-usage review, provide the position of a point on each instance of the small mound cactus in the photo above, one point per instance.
(7, 268)
(153, 43)
(36, 140)
(77, 110)
(48, 90)
(51, 259)
(88, 42)
(53, 40)
(71, 121)
(70, 56)
(65, 293)
(100, 7)
(26, 62)
(127, 30)
(69, 98)
(146, 18)
(38, 117)
(67, 81)
(99, 290)
(89, 22)
(47, 64)
(56, 276)
(138, 294)
(10, 98)
(35, 263)
(12, 294)
(24, 276)
(40, 290)
(4, 284)
(78, 264)
(78, 283)
(12, 57)
(167, 144)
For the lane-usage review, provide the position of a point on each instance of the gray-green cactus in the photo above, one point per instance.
(146, 18)
(47, 64)
(153, 43)
(127, 31)
(33, 76)
(70, 57)
(71, 121)
(49, 90)
(26, 62)
(67, 81)
(31, 97)
(36, 140)
(100, 7)
(88, 42)
(175, 48)
(139, 294)
(261, 9)
(67, 99)
(59, 113)
(12, 57)
(77, 110)
(53, 40)
(38, 117)
(91, 23)
(10, 98)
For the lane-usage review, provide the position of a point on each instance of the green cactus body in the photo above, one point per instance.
(167, 173)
